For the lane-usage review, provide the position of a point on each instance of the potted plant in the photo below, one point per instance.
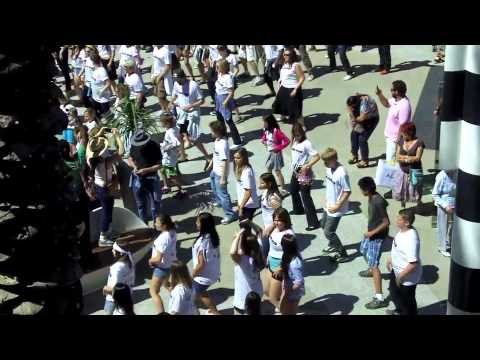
(128, 117)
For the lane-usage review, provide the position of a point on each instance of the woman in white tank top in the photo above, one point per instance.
(289, 100)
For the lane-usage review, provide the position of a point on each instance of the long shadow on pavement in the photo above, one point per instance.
(430, 274)
(304, 240)
(318, 266)
(339, 304)
(438, 308)
(314, 120)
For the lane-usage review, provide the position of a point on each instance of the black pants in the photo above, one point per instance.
(302, 201)
(63, 64)
(270, 75)
(385, 59)
(342, 50)
(233, 128)
(86, 97)
(211, 79)
(360, 140)
(247, 214)
(100, 108)
(403, 297)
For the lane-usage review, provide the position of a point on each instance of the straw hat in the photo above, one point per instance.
(96, 147)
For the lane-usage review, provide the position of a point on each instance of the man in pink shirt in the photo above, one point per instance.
(399, 112)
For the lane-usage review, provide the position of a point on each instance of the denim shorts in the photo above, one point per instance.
(161, 273)
(199, 288)
(371, 250)
(109, 307)
(274, 264)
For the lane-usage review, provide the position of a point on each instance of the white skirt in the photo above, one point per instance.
(193, 119)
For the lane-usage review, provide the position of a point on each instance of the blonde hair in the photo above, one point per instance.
(329, 154)
(223, 66)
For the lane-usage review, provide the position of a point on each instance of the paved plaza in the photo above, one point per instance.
(331, 289)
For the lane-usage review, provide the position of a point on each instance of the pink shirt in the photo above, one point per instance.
(399, 113)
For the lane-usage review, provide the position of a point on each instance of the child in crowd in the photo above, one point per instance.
(169, 147)
(181, 291)
(164, 252)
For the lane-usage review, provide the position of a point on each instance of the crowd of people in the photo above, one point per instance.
(94, 150)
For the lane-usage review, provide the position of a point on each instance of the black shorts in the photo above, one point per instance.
(247, 214)
(112, 72)
(184, 127)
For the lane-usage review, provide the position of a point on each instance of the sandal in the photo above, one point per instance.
(353, 161)
(362, 164)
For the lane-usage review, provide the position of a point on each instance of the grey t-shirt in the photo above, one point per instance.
(377, 211)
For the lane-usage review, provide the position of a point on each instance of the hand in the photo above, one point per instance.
(389, 265)
(151, 263)
(277, 275)
(104, 290)
(223, 181)
(305, 169)
(240, 211)
(293, 93)
(225, 103)
(378, 92)
(275, 204)
(141, 172)
(333, 209)
(398, 280)
(368, 234)
(449, 209)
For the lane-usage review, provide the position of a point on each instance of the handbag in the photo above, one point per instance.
(387, 174)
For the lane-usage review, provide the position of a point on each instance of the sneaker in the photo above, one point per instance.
(329, 250)
(365, 273)
(445, 253)
(376, 304)
(257, 81)
(310, 77)
(283, 193)
(339, 258)
(392, 312)
(311, 228)
(347, 77)
(105, 243)
(213, 113)
(226, 220)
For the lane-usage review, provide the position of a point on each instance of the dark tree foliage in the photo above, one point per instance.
(38, 229)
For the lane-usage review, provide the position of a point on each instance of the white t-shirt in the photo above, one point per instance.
(134, 84)
(127, 53)
(99, 81)
(223, 84)
(211, 271)
(104, 51)
(89, 69)
(336, 184)
(90, 125)
(79, 62)
(275, 240)
(233, 62)
(247, 279)
(406, 249)
(103, 173)
(272, 51)
(247, 181)
(301, 152)
(120, 272)
(182, 301)
(166, 243)
(221, 152)
(267, 209)
(187, 94)
(169, 147)
(162, 58)
(213, 53)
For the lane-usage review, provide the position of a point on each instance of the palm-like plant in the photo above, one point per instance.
(129, 117)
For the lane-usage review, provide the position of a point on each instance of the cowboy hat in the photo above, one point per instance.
(96, 147)
(140, 138)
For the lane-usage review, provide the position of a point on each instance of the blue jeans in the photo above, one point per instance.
(147, 189)
(220, 195)
(106, 201)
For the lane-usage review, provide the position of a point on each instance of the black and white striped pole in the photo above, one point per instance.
(460, 148)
